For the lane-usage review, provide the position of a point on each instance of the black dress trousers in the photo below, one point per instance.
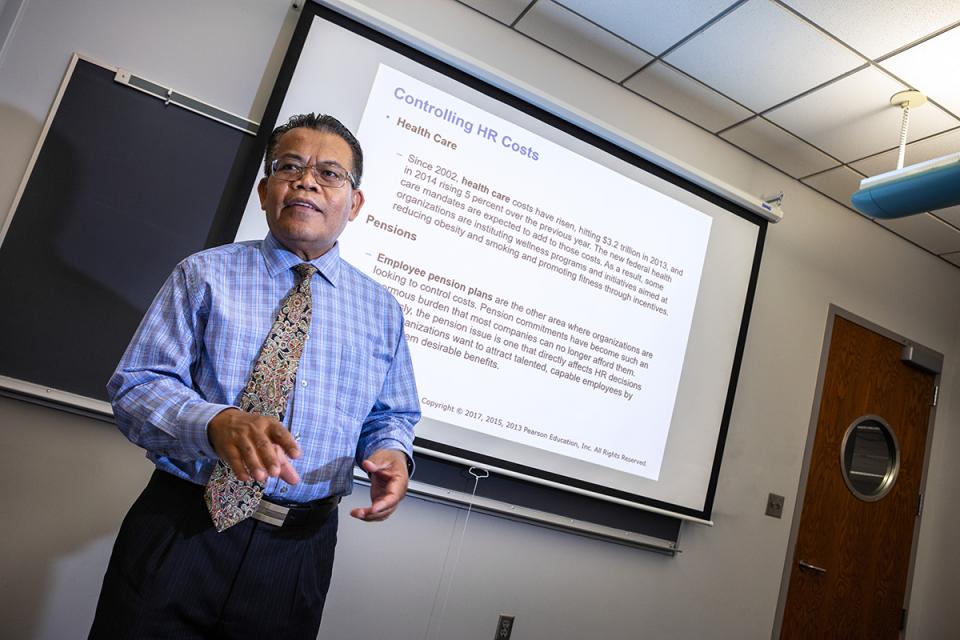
(171, 575)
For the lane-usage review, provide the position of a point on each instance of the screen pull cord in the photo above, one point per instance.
(478, 474)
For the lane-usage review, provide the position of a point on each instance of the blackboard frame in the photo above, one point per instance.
(107, 206)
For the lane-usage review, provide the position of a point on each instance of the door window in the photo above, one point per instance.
(870, 458)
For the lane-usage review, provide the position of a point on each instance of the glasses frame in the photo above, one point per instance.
(348, 177)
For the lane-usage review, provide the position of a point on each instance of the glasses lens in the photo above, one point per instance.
(286, 170)
(330, 175)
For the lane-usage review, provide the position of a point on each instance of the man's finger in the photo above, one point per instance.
(387, 471)
(251, 459)
(280, 436)
(370, 466)
(385, 503)
(267, 452)
(367, 514)
(359, 514)
(388, 501)
(287, 473)
(236, 464)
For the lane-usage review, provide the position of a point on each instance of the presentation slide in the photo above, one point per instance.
(557, 300)
(507, 299)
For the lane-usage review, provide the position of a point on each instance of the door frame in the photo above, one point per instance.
(932, 358)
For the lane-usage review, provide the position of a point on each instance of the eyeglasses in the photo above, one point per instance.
(327, 174)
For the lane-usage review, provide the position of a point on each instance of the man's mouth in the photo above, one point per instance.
(301, 202)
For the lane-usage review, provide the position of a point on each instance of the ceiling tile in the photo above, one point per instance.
(931, 233)
(566, 32)
(852, 118)
(952, 257)
(779, 148)
(926, 149)
(653, 25)
(839, 184)
(876, 27)
(950, 214)
(932, 67)
(681, 94)
(761, 54)
(506, 11)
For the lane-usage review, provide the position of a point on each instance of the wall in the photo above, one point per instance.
(73, 478)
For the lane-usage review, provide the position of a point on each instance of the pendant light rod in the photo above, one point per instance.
(905, 100)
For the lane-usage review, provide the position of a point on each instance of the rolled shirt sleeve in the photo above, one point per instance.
(152, 391)
(391, 421)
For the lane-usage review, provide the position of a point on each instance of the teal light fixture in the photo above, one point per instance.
(906, 191)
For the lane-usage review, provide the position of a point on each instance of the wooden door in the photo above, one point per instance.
(851, 559)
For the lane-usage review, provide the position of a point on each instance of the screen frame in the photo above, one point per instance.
(248, 171)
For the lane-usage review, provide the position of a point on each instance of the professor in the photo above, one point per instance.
(261, 374)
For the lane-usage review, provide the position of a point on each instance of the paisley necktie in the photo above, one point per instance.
(229, 499)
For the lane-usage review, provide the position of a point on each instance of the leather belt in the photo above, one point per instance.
(295, 515)
(290, 515)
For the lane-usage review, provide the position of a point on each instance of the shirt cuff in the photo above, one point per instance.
(194, 421)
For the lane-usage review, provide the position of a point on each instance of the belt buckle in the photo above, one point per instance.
(271, 513)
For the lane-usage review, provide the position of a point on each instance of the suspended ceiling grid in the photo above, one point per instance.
(803, 85)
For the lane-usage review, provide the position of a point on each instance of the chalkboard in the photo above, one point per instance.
(124, 186)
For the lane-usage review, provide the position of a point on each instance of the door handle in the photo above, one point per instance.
(812, 567)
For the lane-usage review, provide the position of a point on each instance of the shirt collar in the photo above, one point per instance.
(279, 259)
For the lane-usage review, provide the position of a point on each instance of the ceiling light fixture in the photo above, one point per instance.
(905, 191)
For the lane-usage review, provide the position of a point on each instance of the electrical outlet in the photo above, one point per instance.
(504, 627)
(774, 505)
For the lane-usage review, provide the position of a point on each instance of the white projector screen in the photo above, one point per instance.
(575, 315)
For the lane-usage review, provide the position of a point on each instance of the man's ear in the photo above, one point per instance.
(357, 203)
(262, 191)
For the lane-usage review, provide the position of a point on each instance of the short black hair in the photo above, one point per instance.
(323, 123)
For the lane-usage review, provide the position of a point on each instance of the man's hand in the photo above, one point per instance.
(254, 446)
(387, 469)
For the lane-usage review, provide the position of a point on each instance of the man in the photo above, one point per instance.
(324, 380)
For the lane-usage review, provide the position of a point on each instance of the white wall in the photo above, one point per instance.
(73, 478)
(7, 11)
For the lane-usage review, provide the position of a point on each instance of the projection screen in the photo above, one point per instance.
(575, 314)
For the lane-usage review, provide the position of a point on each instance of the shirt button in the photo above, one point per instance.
(303, 384)
(296, 436)
(283, 489)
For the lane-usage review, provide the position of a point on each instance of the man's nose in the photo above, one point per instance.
(307, 181)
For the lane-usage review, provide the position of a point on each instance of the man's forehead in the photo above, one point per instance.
(326, 158)
(305, 141)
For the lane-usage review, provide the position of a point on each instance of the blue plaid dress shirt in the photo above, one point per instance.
(194, 350)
